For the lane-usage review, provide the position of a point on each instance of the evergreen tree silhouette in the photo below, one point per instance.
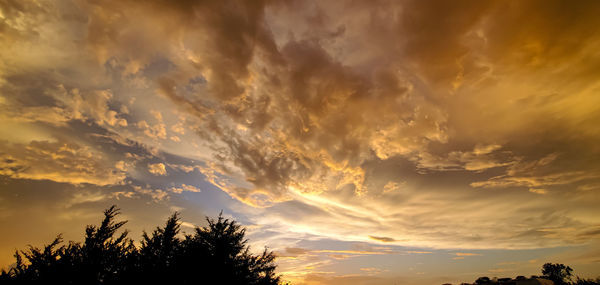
(159, 253)
(215, 254)
(104, 258)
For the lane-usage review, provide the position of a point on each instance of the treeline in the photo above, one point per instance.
(215, 254)
(558, 273)
(562, 274)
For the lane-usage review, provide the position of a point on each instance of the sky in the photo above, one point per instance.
(365, 142)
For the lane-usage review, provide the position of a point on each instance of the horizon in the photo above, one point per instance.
(412, 142)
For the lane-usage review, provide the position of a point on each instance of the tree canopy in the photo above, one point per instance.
(558, 273)
(215, 254)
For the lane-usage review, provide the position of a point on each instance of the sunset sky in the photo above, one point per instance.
(365, 142)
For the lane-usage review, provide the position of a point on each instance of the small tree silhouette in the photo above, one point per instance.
(216, 254)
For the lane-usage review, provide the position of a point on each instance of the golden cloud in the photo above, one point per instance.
(157, 169)
(415, 120)
(58, 161)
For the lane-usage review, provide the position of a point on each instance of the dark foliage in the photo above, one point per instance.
(215, 254)
(559, 273)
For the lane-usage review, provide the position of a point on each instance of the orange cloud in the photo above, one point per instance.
(157, 169)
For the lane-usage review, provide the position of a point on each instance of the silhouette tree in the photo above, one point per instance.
(215, 254)
(159, 253)
(562, 274)
(558, 273)
(104, 258)
(226, 256)
(43, 262)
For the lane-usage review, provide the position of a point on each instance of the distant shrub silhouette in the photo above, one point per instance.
(215, 254)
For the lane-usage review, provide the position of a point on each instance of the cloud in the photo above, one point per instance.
(538, 191)
(340, 256)
(58, 161)
(537, 181)
(372, 270)
(157, 131)
(382, 239)
(465, 254)
(123, 194)
(184, 188)
(86, 197)
(352, 252)
(392, 186)
(295, 252)
(157, 169)
(157, 195)
(418, 252)
(588, 187)
(462, 255)
(68, 105)
(481, 158)
(500, 270)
